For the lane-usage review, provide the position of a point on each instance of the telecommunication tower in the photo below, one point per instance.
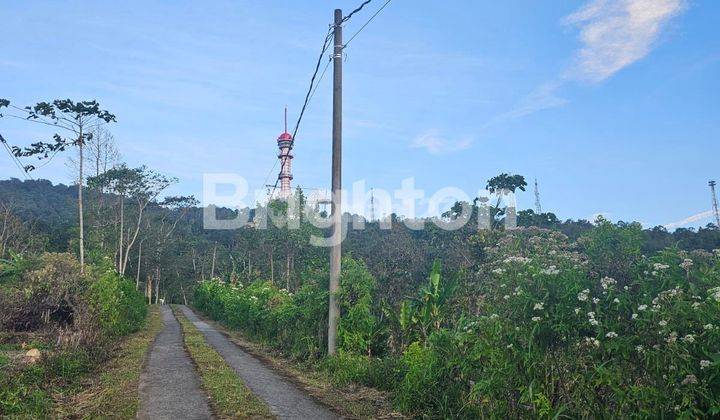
(715, 203)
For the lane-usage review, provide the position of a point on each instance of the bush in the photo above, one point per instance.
(48, 291)
(549, 336)
(295, 323)
(120, 308)
(290, 322)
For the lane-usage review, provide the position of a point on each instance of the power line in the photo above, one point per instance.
(321, 78)
(359, 8)
(366, 23)
(14, 158)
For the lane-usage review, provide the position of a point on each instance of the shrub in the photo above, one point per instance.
(49, 291)
(121, 310)
(357, 325)
(290, 322)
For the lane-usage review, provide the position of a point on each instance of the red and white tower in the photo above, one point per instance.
(285, 143)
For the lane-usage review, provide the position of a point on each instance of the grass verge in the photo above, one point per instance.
(229, 396)
(111, 391)
(350, 400)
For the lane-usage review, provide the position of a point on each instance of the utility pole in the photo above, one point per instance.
(715, 203)
(336, 250)
(538, 208)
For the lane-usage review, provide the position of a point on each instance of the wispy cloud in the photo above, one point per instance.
(692, 219)
(437, 144)
(544, 96)
(614, 34)
(617, 33)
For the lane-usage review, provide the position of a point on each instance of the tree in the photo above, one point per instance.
(141, 185)
(503, 185)
(544, 220)
(76, 118)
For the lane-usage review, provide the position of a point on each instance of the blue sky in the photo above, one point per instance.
(611, 104)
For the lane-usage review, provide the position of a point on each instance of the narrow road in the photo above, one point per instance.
(169, 386)
(284, 399)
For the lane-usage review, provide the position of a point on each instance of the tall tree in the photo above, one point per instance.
(141, 185)
(503, 185)
(76, 120)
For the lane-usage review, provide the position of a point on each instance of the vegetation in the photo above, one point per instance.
(229, 396)
(69, 319)
(537, 330)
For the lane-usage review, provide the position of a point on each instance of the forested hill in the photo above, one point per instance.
(40, 200)
(177, 248)
(55, 205)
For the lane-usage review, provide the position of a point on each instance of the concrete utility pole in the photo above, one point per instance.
(336, 250)
(715, 204)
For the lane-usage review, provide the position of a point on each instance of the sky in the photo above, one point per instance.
(612, 105)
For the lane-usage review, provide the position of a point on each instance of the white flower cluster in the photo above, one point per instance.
(550, 271)
(607, 282)
(704, 364)
(583, 296)
(688, 339)
(689, 379)
(516, 259)
(536, 319)
(591, 319)
(592, 341)
(686, 264)
(498, 271)
(611, 334)
(714, 294)
(659, 266)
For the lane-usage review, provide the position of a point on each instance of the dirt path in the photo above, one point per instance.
(169, 386)
(284, 399)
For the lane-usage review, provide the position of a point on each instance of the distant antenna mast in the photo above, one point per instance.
(372, 204)
(715, 203)
(538, 208)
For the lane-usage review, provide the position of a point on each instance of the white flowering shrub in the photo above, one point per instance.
(551, 336)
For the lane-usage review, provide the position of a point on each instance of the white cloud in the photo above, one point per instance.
(543, 97)
(436, 144)
(614, 34)
(686, 221)
(617, 33)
